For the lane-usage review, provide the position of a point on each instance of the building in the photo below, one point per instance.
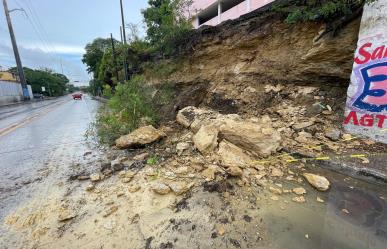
(10, 88)
(213, 12)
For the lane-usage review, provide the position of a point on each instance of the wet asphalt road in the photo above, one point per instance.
(35, 135)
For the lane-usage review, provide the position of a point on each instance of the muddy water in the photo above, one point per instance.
(354, 215)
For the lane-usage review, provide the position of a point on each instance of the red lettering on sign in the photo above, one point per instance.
(381, 120)
(351, 115)
(364, 53)
(367, 120)
(378, 53)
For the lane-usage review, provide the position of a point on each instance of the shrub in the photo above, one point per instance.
(129, 107)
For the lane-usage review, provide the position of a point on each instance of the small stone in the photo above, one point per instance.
(87, 153)
(120, 193)
(65, 215)
(182, 170)
(320, 200)
(221, 231)
(302, 125)
(95, 177)
(110, 210)
(160, 188)
(209, 173)
(319, 182)
(345, 211)
(141, 157)
(299, 191)
(347, 137)
(82, 178)
(333, 134)
(180, 188)
(299, 199)
(276, 172)
(116, 164)
(274, 198)
(306, 236)
(275, 190)
(134, 189)
(234, 171)
(90, 187)
(181, 147)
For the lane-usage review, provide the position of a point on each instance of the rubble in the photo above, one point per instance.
(140, 137)
(319, 182)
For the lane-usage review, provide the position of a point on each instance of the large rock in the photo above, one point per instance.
(259, 138)
(232, 155)
(140, 137)
(319, 182)
(206, 139)
(189, 115)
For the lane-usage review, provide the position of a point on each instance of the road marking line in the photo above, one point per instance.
(25, 121)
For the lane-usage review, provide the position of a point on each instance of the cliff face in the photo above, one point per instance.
(262, 47)
(232, 67)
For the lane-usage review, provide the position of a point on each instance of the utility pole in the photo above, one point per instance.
(125, 65)
(123, 22)
(114, 56)
(124, 36)
(22, 77)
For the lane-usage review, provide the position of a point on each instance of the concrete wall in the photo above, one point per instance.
(10, 92)
(366, 109)
(200, 6)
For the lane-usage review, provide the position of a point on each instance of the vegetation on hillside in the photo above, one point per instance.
(156, 55)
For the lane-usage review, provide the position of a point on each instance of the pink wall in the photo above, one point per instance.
(232, 13)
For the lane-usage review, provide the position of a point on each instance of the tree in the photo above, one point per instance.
(166, 23)
(94, 53)
(54, 83)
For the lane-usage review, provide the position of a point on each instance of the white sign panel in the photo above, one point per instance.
(366, 109)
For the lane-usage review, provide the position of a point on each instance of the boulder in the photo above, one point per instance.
(206, 139)
(319, 182)
(259, 138)
(232, 155)
(140, 137)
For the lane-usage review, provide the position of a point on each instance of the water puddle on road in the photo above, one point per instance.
(353, 216)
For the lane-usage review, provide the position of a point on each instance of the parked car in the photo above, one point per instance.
(38, 96)
(77, 96)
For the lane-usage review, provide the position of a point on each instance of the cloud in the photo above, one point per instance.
(36, 57)
(57, 48)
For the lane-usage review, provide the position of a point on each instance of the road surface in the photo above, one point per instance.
(36, 136)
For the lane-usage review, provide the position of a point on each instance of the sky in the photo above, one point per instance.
(55, 32)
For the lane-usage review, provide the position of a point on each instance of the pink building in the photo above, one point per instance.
(213, 12)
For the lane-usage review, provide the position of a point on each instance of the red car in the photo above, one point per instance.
(77, 96)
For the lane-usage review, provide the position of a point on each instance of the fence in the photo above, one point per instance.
(10, 92)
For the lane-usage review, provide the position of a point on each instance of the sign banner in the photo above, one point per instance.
(366, 108)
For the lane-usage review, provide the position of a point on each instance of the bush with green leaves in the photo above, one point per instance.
(318, 10)
(128, 108)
